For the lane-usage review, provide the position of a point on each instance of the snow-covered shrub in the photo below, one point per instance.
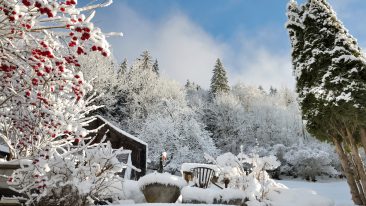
(257, 184)
(70, 175)
(309, 162)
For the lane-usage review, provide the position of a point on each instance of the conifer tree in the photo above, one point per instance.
(272, 91)
(330, 70)
(219, 82)
(155, 67)
(123, 68)
(145, 61)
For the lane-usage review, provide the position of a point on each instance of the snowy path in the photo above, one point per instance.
(338, 190)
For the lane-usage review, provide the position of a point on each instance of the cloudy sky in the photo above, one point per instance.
(186, 36)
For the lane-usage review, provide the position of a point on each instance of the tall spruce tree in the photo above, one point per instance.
(219, 82)
(145, 61)
(330, 70)
(123, 68)
(155, 67)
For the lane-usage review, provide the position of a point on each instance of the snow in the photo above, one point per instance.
(298, 197)
(4, 148)
(337, 191)
(210, 194)
(132, 191)
(21, 162)
(199, 194)
(167, 204)
(162, 178)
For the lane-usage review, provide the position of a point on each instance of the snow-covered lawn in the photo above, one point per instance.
(335, 190)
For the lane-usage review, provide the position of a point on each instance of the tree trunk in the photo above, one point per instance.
(357, 159)
(357, 178)
(363, 138)
(11, 154)
(355, 192)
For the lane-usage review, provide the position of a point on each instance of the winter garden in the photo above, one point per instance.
(232, 144)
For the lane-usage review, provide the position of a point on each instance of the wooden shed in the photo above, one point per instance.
(120, 138)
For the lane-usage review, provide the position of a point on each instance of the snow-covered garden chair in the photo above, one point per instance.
(202, 176)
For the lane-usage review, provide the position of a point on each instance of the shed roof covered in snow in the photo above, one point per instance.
(120, 138)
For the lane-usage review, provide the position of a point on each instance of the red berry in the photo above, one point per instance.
(26, 3)
(35, 81)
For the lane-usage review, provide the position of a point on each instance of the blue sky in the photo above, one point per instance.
(186, 36)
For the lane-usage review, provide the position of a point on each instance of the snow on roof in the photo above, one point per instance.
(121, 131)
(4, 148)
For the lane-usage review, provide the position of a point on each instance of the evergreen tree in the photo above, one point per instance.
(145, 61)
(272, 91)
(188, 84)
(123, 68)
(155, 67)
(219, 82)
(330, 71)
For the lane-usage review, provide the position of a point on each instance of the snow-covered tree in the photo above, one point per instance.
(44, 100)
(101, 73)
(42, 96)
(145, 61)
(175, 129)
(219, 82)
(155, 67)
(123, 68)
(330, 70)
(228, 122)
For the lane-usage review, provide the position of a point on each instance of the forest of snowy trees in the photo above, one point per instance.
(189, 119)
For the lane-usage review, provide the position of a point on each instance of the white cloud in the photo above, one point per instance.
(261, 67)
(185, 51)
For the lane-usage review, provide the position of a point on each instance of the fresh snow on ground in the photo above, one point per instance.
(335, 190)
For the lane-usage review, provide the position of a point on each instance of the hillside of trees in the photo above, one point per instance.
(182, 120)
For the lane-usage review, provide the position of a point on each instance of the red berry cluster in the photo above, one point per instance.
(38, 59)
(10, 13)
(43, 9)
(7, 68)
(99, 49)
(83, 35)
(27, 3)
(76, 88)
(72, 60)
(70, 2)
